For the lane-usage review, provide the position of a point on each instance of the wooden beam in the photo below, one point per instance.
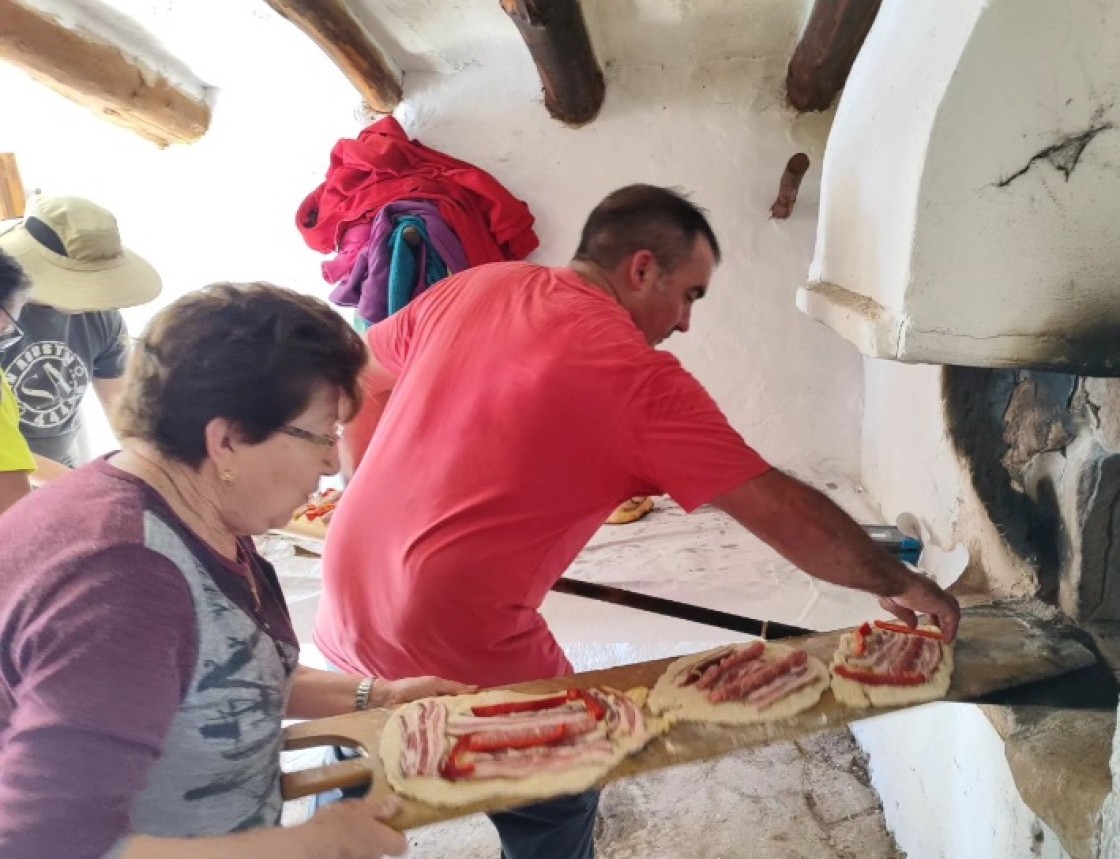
(12, 200)
(334, 28)
(556, 35)
(828, 47)
(98, 74)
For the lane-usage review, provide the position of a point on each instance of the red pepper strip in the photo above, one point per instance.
(455, 768)
(907, 630)
(594, 708)
(870, 678)
(508, 707)
(860, 639)
(525, 738)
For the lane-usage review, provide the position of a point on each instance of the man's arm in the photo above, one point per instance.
(809, 530)
(108, 392)
(377, 384)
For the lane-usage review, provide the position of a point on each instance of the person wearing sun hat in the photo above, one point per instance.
(73, 333)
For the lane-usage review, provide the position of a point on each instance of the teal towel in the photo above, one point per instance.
(411, 269)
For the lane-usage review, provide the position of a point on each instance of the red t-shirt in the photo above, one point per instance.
(527, 406)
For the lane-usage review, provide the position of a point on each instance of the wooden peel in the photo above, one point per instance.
(999, 646)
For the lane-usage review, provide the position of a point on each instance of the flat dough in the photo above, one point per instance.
(438, 791)
(852, 693)
(630, 510)
(689, 704)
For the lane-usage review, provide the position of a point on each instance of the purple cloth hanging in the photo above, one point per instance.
(366, 286)
(354, 241)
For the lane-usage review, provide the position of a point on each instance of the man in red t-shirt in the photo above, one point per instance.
(527, 402)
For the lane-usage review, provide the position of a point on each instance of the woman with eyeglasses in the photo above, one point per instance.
(16, 462)
(146, 653)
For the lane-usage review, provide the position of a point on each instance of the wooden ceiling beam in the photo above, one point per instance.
(824, 56)
(332, 25)
(99, 74)
(556, 35)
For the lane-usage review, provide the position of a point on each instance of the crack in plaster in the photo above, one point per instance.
(1063, 156)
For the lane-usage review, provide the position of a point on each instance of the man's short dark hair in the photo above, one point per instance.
(13, 279)
(644, 217)
(250, 353)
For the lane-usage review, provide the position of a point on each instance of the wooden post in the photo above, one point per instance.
(828, 47)
(556, 35)
(12, 200)
(342, 37)
(98, 75)
(788, 186)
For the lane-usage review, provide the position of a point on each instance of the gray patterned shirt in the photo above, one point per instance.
(141, 690)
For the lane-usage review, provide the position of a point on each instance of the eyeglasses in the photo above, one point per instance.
(318, 440)
(13, 335)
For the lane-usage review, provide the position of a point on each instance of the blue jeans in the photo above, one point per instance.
(561, 828)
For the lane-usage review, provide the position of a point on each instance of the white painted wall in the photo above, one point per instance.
(946, 788)
(874, 165)
(718, 129)
(932, 258)
(684, 108)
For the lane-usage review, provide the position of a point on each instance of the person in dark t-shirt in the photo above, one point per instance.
(74, 336)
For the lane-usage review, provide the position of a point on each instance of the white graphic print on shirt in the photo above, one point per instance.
(49, 380)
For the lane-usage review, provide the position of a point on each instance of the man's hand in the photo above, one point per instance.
(393, 693)
(924, 596)
(809, 530)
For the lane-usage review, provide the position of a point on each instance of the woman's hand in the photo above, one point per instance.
(352, 829)
(393, 693)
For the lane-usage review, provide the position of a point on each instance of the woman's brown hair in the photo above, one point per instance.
(250, 353)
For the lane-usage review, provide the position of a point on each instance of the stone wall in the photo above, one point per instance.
(1042, 452)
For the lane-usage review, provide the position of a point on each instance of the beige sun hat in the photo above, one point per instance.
(93, 271)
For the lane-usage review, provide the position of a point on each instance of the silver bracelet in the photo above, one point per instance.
(361, 697)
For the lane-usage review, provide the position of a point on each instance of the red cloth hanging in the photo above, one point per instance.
(382, 165)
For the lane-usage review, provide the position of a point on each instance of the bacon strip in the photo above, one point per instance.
(623, 715)
(464, 723)
(694, 673)
(531, 761)
(715, 675)
(424, 730)
(893, 658)
(781, 688)
(568, 737)
(764, 675)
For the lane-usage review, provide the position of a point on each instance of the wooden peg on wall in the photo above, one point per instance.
(789, 185)
(12, 200)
